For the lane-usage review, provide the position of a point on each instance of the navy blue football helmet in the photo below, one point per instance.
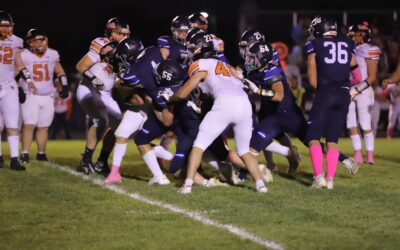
(180, 26)
(322, 26)
(197, 20)
(248, 38)
(169, 73)
(201, 46)
(126, 54)
(260, 54)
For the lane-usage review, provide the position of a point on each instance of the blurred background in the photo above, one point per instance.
(72, 25)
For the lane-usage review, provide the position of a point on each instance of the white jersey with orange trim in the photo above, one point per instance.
(218, 43)
(221, 78)
(94, 49)
(41, 69)
(366, 51)
(8, 50)
(101, 72)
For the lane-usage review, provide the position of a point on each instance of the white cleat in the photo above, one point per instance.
(319, 182)
(329, 184)
(351, 165)
(265, 173)
(214, 182)
(262, 189)
(185, 190)
(160, 180)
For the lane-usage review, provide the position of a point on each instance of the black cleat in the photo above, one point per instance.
(87, 166)
(101, 167)
(24, 158)
(41, 157)
(16, 165)
(294, 159)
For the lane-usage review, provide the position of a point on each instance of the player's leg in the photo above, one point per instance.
(10, 110)
(365, 103)
(46, 115)
(352, 126)
(30, 116)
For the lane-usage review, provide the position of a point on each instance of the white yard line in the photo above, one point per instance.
(195, 215)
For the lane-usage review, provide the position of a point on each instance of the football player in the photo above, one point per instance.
(219, 80)
(367, 56)
(116, 29)
(37, 110)
(10, 62)
(330, 62)
(97, 101)
(199, 21)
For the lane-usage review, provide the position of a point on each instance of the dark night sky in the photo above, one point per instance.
(71, 25)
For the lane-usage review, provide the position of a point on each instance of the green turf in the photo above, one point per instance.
(44, 208)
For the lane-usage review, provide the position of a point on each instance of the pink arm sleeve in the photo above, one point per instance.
(356, 76)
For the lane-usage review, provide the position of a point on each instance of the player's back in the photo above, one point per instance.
(221, 78)
(333, 57)
(177, 51)
(8, 50)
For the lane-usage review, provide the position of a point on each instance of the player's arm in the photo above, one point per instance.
(312, 70)
(164, 53)
(23, 72)
(372, 69)
(84, 64)
(60, 73)
(188, 87)
(165, 116)
(393, 78)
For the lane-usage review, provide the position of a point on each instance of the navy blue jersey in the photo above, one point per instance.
(141, 73)
(333, 57)
(265, 80)
(177, 51)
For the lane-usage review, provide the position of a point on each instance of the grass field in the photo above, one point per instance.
(45, 208)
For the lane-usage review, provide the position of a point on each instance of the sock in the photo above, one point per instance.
(277, 148)
(107, 147)
(389, 132)
(150, 159)
(13, 143)
(259, 183)
(119, 153)
(87, 155)
(205, 182)
(25, 152)
(317, 159)
(163, 153)
(1, 152)
(342, 157)
(188, 182)
(41, 153)
(369, 140)
(331, 163)
(356, 141)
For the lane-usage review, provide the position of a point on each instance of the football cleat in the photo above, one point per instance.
(24, 158)
(16, 165)
(114, 176)
(351, 165)
(40, 157)
(294, 159)
(160, 180)
(101, 167)
(185, 190)
(214, 182)
(329, 184)
(319, 182)
(87, 166)
(262, 189)
(265, 173)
